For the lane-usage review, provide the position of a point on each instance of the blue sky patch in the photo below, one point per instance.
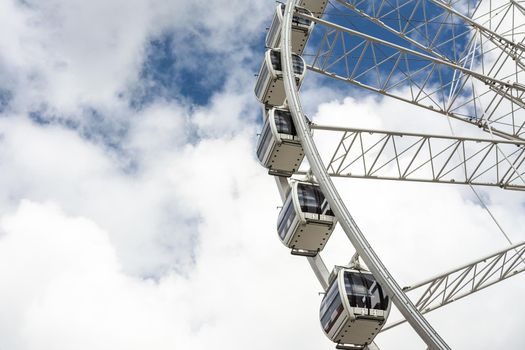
(5, 98)
(167, 75)
(94, 126)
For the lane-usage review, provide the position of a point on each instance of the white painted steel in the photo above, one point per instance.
(372, 260)
(386, 155)
(482, 77)
(487, 84)
(515, 50)
(463, 281)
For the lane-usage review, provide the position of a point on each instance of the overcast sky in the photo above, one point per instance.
(134, 215)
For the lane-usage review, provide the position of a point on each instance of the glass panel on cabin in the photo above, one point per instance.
(284, 122)
(378, 300)
(264, 141)
(312, 200)
(298, 64)
(307, 199)
(275, 58)
(356, 290)
(286, 217)
(331, 307)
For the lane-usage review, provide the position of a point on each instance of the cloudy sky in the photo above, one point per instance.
(134, 215)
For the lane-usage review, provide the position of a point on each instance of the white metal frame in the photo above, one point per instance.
(463, 281)
(460, 282)
(372, 260)
(488, 97)
(387, 155)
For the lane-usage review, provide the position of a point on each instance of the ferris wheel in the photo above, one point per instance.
(461, 59)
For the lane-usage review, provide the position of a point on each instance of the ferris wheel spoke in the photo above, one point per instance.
(466, 280)
(421, 79)
(519, 6)
(385, 155)
(435, 26)
(339, 42)
(502, 17)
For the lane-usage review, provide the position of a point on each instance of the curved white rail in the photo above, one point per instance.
(357, 238)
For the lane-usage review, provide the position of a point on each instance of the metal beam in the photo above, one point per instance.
(357, 238)
(385, 155)
(369, 38)
(440, 25)
(516, 48)
(463, 281)
(445, 87)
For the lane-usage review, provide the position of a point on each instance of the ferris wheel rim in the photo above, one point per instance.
(404, 304)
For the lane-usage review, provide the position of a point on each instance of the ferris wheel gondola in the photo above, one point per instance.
(269, 88)
(301, 29)
(354, 308)
(279, 148)
(306, 221)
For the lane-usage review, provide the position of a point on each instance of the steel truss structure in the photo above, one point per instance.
(374, 154)
(463, 59)
(466, 280)
(429, 64)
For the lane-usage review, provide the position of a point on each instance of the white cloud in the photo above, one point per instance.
(66, 289)
(178, 196)
(421, 230)
(69, 55)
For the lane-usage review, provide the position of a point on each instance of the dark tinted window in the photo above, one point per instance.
(264, 141)
(312, 200)
(297, 61)
(298, 64)
(356, 290)
(377, 299)
(286, 217)
(331, 307)
(363, 291)
(275, 57)
(284, 122)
